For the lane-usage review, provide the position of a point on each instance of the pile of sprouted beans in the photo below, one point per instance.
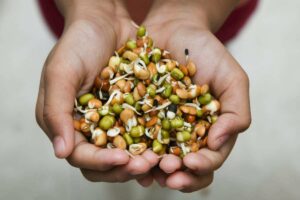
(144, 99)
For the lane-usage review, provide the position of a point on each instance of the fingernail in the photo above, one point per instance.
(59, 146)
(221, 141)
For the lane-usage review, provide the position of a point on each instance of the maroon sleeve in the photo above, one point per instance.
(236, 21)
(52, 16)
(228, 31)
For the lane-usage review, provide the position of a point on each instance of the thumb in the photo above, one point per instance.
(60, 85)
(235, 113)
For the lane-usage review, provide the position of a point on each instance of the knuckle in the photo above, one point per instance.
(48, 116)
(88, 176)
(209, 181)
(217, 165)
(212, 164)
(219, 162)
(203, 183)
(37, 117)
(75, 159)
(123, 180)
(72, 162)
(120, 177)
(50, 73)
(245, 77)
(102, 165)
(241, 77)
(50, 56)
(54, 71)
(38, 113)
(188, 190)
(39, 121)
(242, 122)
(245, 123)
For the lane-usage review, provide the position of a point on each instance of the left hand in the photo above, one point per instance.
(176, 31)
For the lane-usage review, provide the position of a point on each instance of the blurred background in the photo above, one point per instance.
(263, 165)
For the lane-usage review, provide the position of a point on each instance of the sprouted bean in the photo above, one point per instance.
(146, 99)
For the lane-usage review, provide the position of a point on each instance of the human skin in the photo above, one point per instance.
(228, 82)
(92, 32)
(138, 9)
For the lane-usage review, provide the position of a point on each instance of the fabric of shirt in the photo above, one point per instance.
(232, 26)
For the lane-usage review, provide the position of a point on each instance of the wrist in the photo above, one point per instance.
(178, 14)
(98, 12)
(209, 15)
(217, 11)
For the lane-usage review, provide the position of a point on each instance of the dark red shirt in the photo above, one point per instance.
(229, 30)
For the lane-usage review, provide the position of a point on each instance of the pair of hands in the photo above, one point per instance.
(89, 39)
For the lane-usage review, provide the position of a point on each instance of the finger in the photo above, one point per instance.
(146, 181)
(89, 156)
(206, 161)
(61, 82)
(170, 163)
(159, 176)
(111, 176)
(151, 157)
(226, 126)
(40, 116)
(153, 160)
(69, 70)
(188, 182)
(235, 111)
(40, 107)
(136, 168)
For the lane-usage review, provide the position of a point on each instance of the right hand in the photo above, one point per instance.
(89, 39)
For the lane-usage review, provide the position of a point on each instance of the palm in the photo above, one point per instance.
(228, 83)
(100, 46)
(90, 47)
(69, 71)
(215, 64)
(204, 49)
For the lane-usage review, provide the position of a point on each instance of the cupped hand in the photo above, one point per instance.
(228, 83)
(69, 71)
